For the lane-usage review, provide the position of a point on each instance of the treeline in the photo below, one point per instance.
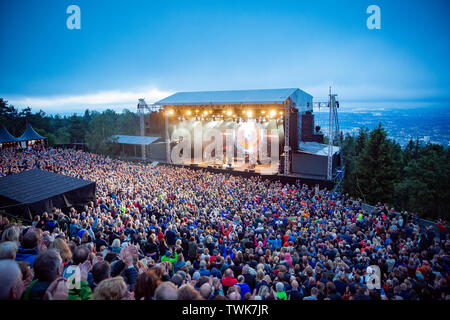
(92, 127)
(415, 178)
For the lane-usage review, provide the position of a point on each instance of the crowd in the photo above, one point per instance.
(172, 233)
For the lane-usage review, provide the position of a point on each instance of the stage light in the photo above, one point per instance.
(170, 112)
(196, 111)
(229, 112)
(263, 112)
(272, 113)
(205, 112)
(249, 113)
(210, 111)
(188, 112)
(281, 112)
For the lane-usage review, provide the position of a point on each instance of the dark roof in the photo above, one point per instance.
(30, 134)
(5, 136)
(35, 185)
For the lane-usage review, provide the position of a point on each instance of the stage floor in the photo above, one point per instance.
(264, 169)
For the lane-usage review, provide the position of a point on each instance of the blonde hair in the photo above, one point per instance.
(110, 289)
(115, 243)
(259, 267)
(260, 275)
(64, 251)
(11, 234)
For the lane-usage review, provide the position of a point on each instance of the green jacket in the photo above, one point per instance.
(281, 295)
(36, 291)
(84, 293)
(171, 260)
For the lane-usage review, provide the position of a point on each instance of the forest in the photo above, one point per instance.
(415, 178)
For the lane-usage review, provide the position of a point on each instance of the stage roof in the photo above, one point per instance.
(260, 96)
(5, 136)
(317, 148)
(139, 140)
(30, 134)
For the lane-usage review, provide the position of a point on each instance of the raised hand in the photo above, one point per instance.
(127, 257)
(97, 259)
(58, 290)
(85, 267)
(142, 267)
(41, 246)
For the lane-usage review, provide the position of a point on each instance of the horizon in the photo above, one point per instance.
(369, 108)
(163, 48)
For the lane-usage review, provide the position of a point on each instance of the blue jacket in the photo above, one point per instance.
(73, 230)
(244, 289)
(204, 272)
(275, 243)
(27, 255)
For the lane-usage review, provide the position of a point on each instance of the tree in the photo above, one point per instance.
(8, 116)
(51, 139)
(102, 127)
(361, 140)
(76, 129)
(424, 187)
(375, 168)
(349, 155)
(62, 135)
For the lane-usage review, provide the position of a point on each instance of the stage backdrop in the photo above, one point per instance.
(245, 135)
(35, 191)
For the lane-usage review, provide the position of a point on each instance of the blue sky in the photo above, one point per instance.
(126, 50)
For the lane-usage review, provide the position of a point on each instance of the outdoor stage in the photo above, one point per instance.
(267, 132)
(240, 165)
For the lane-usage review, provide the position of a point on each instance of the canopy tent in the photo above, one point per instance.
(6, 137)
(137, 140)
(35, 191)
(30, 137)
(30, 134)
(130, 144)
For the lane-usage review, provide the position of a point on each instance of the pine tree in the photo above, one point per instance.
(425, 188)
(361, 140)
(349, 154)
(375, 168)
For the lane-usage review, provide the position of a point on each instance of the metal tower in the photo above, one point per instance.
(287, 147)
(142, 106)
(333, 137)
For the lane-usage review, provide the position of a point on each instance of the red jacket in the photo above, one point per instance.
(229, 281)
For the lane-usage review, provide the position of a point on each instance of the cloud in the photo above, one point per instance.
(114, 99)
(350, 97)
